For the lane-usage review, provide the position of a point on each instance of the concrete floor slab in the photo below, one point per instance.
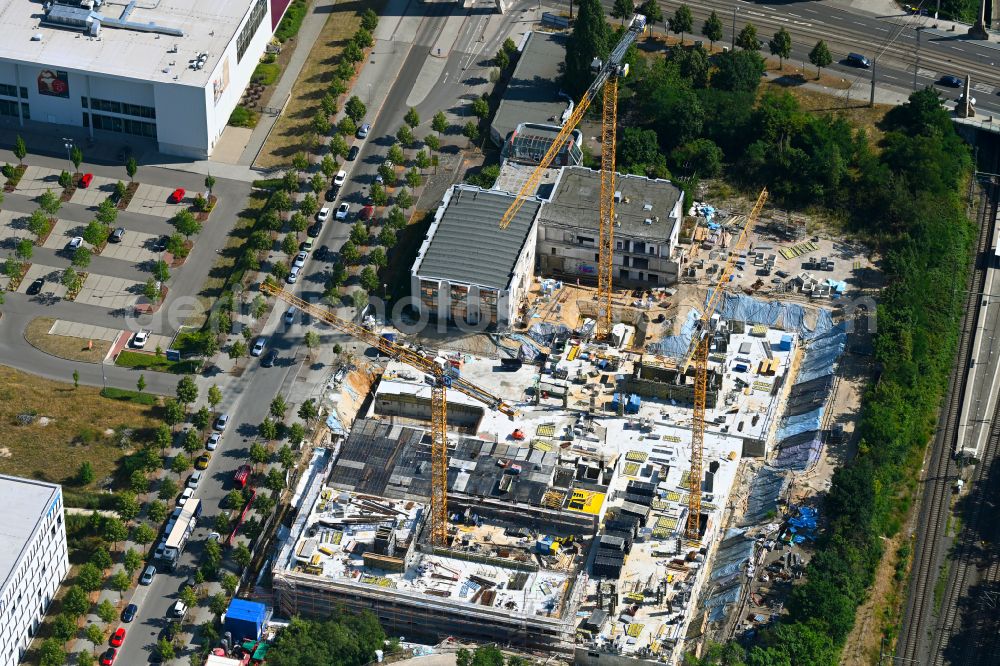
(37, 179)
(51, 275)
(152, 200)
(135, 247)
(100, 189)
(75, 329)
(109, 292)
(62, 232)
(13, 227)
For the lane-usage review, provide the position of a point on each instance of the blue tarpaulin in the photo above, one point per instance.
(677, 345)
(765, 490)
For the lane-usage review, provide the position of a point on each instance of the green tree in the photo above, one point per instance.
(355, 109)
(229, 583)
(259, 454)
(353, 53)
(396, 219)
(84, 658)
(414, 179)
(369, 279)
(311, 341)
(214, 396)
(395, 154)
(209, 183)
(188, 596)
(308, 206)
(422, 159)
(157, 511)
(84, 474)
(275, 481)
(95, 233)
(347, 126)
(379, 197)
(781, 46)
(242, 556)
(278, 407)
(290, 245)
(95, 635)
(403, 199)
(132, 560)
(173, 412)
(369, 20)
(186, 224)
(127, 507)
(138, 482)
(300, 161)
(89, 577)
(81, 257)
(439, 123)
(377, 258)
(738, 71)
(76, 379)
(359, 233)
(20, 149)
(114, 531)
(268, 429)
(328, 165)
(120, 583)
(237, 350)
(76, 602)
(820, 57)
(296, 433)
(191, 442)
(308, 410)
(387, 237)
(143, 534)
(480, 107)
(140, 383)
(471, 130)
(51, 653)
(320, 123)
(187, 391)
(213, 552)
(412, 118)
(747, 39)
(165, 649)
(180, 464)
(623, 9)
(107, 212)
(168, 489)
(106, 611)
(162, 437)
(176, 246)
(49, 203)
(24, 249)
(131, 167)
(652, 11)
(218, 604)
(100, 558)
(350, 253)
(405, 136)
(39, 224)
(501, 59)
(76, 157)
(682, 22)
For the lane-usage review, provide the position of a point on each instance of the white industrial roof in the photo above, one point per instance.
(25, 503)
(208, 27)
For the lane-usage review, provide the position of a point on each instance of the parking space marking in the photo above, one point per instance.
(51, 275)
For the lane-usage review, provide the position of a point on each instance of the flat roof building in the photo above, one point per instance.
(169, 72)
(534, 94)
(648, 214)
(33, 560)
(470, 270)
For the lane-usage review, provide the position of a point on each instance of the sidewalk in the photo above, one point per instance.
(938, 27)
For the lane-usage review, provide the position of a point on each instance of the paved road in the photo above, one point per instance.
(891, 40)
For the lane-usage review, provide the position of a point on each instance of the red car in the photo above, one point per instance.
(118, 637)
(108, 657)
(177, 195)
(86, 179)
(366, 213)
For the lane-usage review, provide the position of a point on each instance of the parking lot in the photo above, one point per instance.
(62, 233)
(53, 288)
(135, 246)
(153, 200)
(13, 227)
(36, 180)
(99, 190)
(110, 292)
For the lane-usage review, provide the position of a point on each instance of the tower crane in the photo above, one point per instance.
(607, 77)
(444, 379)
(698, 352)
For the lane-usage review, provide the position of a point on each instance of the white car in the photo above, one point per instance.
(74, 243)
(290, 316)
(258, 346)
(222, 422)
(213, 441)
(293, 275)
(342, 211)
(300, 260)
(323, 215)
(194, 479)
(139, 339)
(340, 178)
(179, 609)
(185, 496)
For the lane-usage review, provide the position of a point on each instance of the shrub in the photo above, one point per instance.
(266, 73)
(289, 26)
(243, 117)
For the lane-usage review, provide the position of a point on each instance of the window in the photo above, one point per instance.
(123, 125)
(8, 108)
(250, 28)
(24, 93)
(83, 102)
(86, 119)
(8, 90)
(25, 111)
(553, 250)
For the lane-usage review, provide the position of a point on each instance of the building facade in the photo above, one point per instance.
(648, 214)
(33, 560)
(172, 75)
(470, 271)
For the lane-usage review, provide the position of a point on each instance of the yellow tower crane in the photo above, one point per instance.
(444, 379)
(698, 352)
(607, 77)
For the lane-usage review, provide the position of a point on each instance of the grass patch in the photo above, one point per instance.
(292, 21)
(63, 346)
(856, 111)
(143, 361)
(266, 73)
(243, 117)
(69, 426)
(147, 399)
(292, 128)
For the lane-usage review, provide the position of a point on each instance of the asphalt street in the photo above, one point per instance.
(902, 60)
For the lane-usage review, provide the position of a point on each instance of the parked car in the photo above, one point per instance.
(35, 287)
(379, 179)
(340, 178)
(314, 229)
(323, 215)
(179, 609)
(388, 164)
(185, 496)
(74, 243)
(322, 253)
(269, 359)
(366, 213)
(343, 210)
(213, 441)
(86, 179)
(140, 338)
(161, 550)
(222, 422)
(108, 658)
(118, 637)
(353, 153)
(290, 316)
(858, 60)
(202, 461)
(117, 235)
(951, 81)
(293, 275)
(331, 194)
(258, 346)
(194, 479)
(307, 245)
(300, 259)
(364, 130)
(177, 195)
(147, 575)
(129, 613)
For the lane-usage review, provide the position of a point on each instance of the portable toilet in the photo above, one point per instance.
(786, 343)
(245, 619)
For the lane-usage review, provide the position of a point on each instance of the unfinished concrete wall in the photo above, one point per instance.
(411, 406)
(664, 383)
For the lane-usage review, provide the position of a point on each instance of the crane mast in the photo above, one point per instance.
(698, 352)
(606, 80)
(443, 380)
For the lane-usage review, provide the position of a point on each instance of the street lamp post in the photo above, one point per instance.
(69, 147)
(732, 42)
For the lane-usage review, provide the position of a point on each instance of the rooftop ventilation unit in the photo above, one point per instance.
(82, 18)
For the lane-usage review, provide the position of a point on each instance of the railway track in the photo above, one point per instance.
(917, 634)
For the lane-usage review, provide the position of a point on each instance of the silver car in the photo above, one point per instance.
(147, 575)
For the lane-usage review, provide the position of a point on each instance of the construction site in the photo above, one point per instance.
(624, 464)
